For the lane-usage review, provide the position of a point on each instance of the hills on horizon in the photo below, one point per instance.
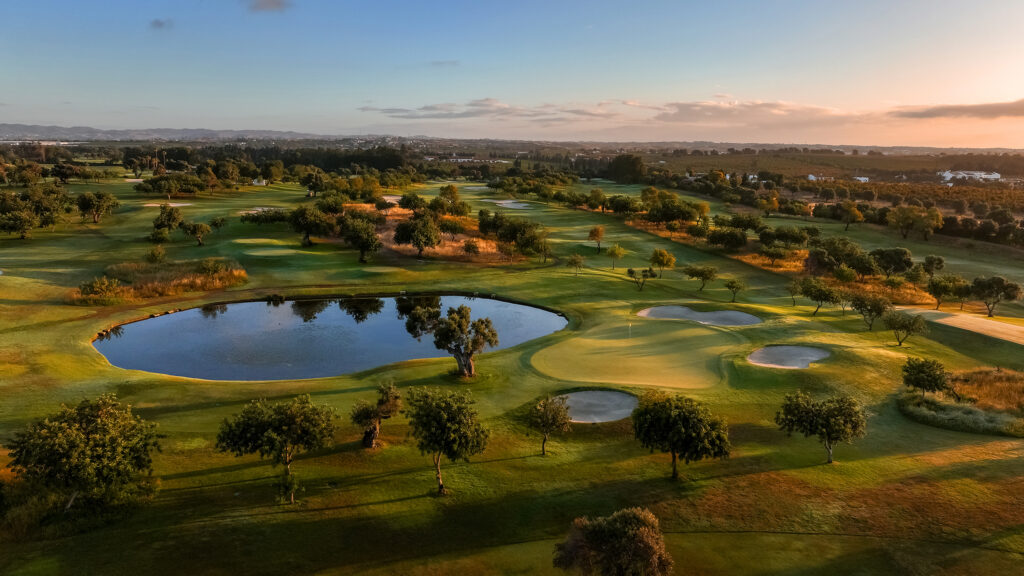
(12, 132)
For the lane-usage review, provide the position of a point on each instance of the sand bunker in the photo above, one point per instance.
(476, 188)
(392, 198)
(171, 204)
(510, 204)
(788, 357)
(714, 318)
(589, 406)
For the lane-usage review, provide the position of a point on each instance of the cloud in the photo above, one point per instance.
(981, 111)
(268, 5)
(480, 108)
(160, 23)
(444, 63)
(751, 113)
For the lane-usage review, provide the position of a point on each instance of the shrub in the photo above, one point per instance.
(159, 236)
(471, 247)
(156, 255)
(960, 417)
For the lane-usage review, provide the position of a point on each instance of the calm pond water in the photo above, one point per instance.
(302, 338)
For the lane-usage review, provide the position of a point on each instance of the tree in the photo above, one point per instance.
(833, 420)
(926, 376)
(627, 543)
(310, 221)
(705, 274)
(596, 235)
(97, 452)
(196, 230)
(451, 227)
(816, 290)
(471, 247)
(412, 201)
(279, 432)
(218, 223)
(97, 205)
(851, 214)
(384, 206)
(870, 307)
(362, 235)
(550, 416)
(456, 334)
(904, 325)
(662, 259)
(576, 262)
(793, 288)
(994, 290)
(735, 285)
(170, 218)
(928, 222)
(728, 238)
(893, 260)
(933, 264)
(680, 426)
(640, 277)
(445, 424)
(371, 416)
(626, 169)
(773, 253)
(944, 286)
(421, 231)
(616, 252)
(902, 219)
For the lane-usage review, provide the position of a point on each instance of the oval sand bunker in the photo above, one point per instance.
(715, 318)
(788, 357)
(590, 406)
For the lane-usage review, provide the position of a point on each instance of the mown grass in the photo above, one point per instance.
(908, 498)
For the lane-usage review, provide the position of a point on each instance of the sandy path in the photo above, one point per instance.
(973, 323)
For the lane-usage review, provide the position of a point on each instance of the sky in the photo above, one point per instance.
(869, 72)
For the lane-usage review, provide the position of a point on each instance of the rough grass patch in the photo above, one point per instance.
(934, 411)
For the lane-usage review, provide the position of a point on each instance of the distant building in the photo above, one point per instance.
(259, 182)
(976, 175)
(861, 179)
(819, 178)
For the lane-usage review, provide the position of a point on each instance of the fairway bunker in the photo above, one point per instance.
(510, 204)
(713, 318)
(787, 357)
(171, 204)
(593, 406)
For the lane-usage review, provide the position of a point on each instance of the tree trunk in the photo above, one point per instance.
(815, 313)
(71, 501)
(675, 467)
(440, 483)
(288, 474)
(828, 448)
(305, 239)
(544, 446)
(95, 218)
(371, 434)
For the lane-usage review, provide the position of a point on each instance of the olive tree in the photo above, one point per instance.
(197, 230)
(662, 259)
(362, 235)
(575, 262)
(870, 307)
(550, 416)
(420, 231)
(310, 221)
(904, 325)
(616, 252)
(445, 424)
(927, 376)
(735, 285)
(833, 420)
(455, 333)
(994, 290)
(371, 416)
(816, 290)
(640, 277)
(278, 431)
(97, 452)
(596, 235)
(627, 543)
(680, 426)
(704, 274)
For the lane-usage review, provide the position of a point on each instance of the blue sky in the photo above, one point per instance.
(867, 72)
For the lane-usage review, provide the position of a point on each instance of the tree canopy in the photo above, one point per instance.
(627, 543)
(833, 420)
(445, 424)
(680, 426)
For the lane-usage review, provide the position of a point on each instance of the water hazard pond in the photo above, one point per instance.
(302, 338)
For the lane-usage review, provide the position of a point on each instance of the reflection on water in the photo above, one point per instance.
(304, 338)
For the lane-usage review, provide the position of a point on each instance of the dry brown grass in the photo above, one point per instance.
(448, 249)
(149, 280)
(992, 389)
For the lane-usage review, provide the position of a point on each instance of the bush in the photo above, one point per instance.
(101, 286)
(212, 266)
(156, 255)
(470, 247)
(959, 417)
(159, 236)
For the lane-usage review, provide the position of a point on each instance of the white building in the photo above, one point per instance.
(977, 175)
(861, 179)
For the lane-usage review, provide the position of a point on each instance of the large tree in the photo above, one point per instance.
(926, 376)
(371, 416)
(893, 260)
(550, 416)
(421, 231)
(310, 221)
(816, 290)
(278, 431)
(904, 325)
(97, 452)
(197, 230)
(735, 285)
(833, 420)
(680, 426)
(662, 259)
(994, 290)
(596, 235)
(445, 424)
(704, 274)
(96, 205)
(456, 333)
(870, 307)
(627, 543)
(362, 235)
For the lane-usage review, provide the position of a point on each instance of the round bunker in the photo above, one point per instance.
(592, 406)
(510, 204)
(713, 318)
(787, 357)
